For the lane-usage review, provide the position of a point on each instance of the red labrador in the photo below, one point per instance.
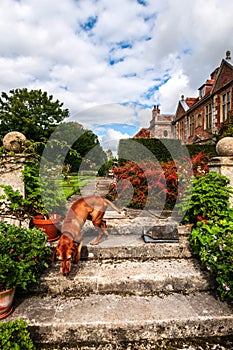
(70, 243)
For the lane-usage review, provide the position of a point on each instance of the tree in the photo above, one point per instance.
(83, 144)
(91, 153)
(109, 154)
(33, 113)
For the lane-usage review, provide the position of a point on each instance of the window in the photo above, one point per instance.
(199, 120)
(181, 130)
(226, 105)
(191, 125)
(208, 116)
(165, 133)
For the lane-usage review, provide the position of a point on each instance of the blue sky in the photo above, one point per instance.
(109, 62)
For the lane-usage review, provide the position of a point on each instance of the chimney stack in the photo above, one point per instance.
(155, 112)
(228, 55)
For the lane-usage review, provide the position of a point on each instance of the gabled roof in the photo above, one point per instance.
(183, 106)
(221, 81)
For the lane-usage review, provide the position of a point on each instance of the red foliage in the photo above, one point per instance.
(200, 164)
(156, 184)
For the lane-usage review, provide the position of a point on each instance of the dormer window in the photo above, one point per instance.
(202, 91)
(205, 88)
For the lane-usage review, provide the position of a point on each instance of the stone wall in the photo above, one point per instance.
(11, 174)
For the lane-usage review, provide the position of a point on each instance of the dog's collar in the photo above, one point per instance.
(70, 235)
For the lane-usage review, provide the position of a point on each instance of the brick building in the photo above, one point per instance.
(198, 119)
(160, 126)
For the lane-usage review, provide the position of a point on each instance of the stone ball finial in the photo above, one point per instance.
(224, 147)
(13, 141)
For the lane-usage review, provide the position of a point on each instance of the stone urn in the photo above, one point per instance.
(224, 147)
(13, 141)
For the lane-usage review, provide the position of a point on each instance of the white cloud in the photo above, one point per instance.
(170, 92)
(111, 139)
(91, 53)
(107, 114)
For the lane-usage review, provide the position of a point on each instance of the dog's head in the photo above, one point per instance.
(67, 252)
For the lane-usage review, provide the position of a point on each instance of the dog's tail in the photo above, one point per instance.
(112, 205)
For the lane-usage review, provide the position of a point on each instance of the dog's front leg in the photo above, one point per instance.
(77, 253)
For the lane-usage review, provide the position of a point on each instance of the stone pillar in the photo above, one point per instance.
(11, 166)
(223, 163)
(11, 172)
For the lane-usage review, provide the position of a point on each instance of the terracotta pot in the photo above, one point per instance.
(6, 300)
(49, 226)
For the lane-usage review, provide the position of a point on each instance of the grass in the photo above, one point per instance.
(73, 183)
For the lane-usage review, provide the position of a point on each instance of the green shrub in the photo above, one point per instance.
(209, 198)
(14, 335)
(211, 238)
(212, 243)
(24, 256)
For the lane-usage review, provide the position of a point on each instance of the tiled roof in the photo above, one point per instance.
(143, 133)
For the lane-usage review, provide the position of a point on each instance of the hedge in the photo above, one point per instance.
(163, 150)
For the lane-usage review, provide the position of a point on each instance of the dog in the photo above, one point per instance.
(69, 246)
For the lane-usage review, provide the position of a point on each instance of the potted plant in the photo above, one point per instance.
(49, 224)
(24, 255)
(51, 204)
(43, 203)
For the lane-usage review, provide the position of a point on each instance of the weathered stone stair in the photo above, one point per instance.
(127, 294)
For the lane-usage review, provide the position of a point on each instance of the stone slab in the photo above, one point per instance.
(208, 343)
(162, 276)
(113, 319)
(132, 246)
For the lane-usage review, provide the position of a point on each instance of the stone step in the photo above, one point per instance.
(126, 277)
(138, 222)
(132, 246)
(124, 322)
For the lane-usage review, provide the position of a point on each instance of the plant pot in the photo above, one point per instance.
(49, 226)
(6, 300)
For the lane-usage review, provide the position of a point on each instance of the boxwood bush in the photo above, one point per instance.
(14, 335)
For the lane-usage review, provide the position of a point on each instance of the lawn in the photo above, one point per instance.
(73, 183)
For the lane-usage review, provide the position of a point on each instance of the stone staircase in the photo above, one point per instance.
(127, 294)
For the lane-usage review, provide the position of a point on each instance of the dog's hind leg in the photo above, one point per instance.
(104, 227)
(98, 238)
(101, 227)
